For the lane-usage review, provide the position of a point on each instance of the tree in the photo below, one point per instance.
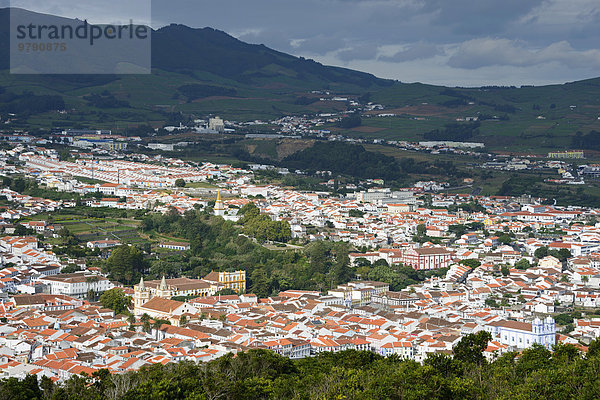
(457, 229)
(355, 213)
(504, 270)
(179, 182)
(69, 269)
(126, 264)
(16, 389)
(541, 252)
(470, 262)
(116, 300)
(534, 358)
(563, 254)
(505, 239)
(522, 264)
(594, 349)
(183, 320)
(470, 348)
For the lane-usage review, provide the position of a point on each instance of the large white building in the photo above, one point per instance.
(359, 293)
(76, 285)
(523, 334)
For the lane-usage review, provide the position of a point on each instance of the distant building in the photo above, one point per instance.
(359, 293)
(523, 334)
(216, 124)
(177, 287)
(219, 209)
(427, 257)
(566, 154)
(175, 245)
(102, 244)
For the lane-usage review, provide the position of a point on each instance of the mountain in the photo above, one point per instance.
(196, 70)
(206, 71)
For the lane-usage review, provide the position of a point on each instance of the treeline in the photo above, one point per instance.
(565, 195)
(349, 122)
(28, 103)
(536, 373)
(305, 101)
(105, 100)
(354, 160)
(454, 132)
(588, 141)
(461, 99)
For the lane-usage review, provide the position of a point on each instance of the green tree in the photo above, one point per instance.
(116, 300)
(470, 348)
(126, 264)
(470, 262)
(522, 264)
(541, 252)
(179, 182)
(355, 213)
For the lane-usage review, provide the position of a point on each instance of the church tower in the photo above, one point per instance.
(163, 290)
(140, 296)
(219, 208)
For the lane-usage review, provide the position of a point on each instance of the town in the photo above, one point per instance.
(420, 268)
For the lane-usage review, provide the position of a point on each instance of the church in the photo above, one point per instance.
(145, 292)
(166, 289)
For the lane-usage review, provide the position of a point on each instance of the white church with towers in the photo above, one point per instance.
(155, 297)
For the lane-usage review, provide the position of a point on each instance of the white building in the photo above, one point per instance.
(76, 285)
(523, 334)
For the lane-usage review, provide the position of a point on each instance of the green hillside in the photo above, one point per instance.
(197, 72)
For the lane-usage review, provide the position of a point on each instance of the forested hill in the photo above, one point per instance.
(537, 373)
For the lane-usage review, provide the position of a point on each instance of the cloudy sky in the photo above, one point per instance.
(450, 42)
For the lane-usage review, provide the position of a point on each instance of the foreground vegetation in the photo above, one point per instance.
(536, 373)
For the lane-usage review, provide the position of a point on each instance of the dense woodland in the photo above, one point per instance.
(216, 244)
(354, 160)
(536, 373)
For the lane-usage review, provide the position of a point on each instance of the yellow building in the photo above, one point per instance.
(235, 281)
(566, 154)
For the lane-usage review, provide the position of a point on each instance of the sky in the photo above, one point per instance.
(448, 42)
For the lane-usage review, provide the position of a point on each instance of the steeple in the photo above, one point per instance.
(219, 209)
(141, 284)
(163, 284)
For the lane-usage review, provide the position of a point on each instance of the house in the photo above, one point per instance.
(175, 246)
(426, 257)
(102, 244)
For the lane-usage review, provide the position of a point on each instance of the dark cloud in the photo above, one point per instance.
(417, 51)
(364, 51)
(482, 40)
